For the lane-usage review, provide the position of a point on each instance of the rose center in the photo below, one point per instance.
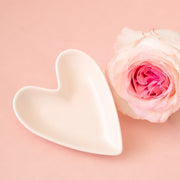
(147, 81)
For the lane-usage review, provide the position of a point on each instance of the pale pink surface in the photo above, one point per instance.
(32, 34)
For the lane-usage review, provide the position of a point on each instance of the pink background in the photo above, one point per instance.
(32, 34)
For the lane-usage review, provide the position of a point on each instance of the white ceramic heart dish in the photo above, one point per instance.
(79, 114)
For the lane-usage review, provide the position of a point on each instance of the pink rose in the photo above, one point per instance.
(145, 74)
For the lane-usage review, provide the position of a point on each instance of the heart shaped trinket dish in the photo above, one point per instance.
(79, 114)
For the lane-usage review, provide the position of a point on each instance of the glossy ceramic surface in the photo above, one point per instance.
(79, 114)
